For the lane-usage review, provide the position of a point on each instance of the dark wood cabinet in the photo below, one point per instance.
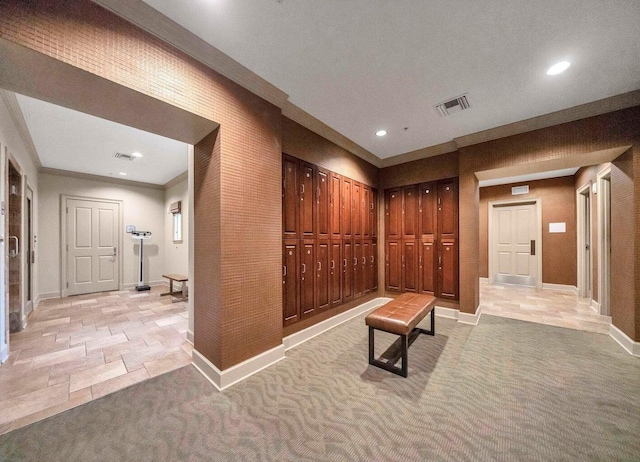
(328, 252)
(422, 234)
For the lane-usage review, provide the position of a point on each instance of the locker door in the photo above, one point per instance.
(374, 266)
(366, 211)
(290, 279)
(393, 213)
(307, 279)
(322, 204)
(426, 261)
(356, 211)
(345, 219)
(374, 213)
(447, 209)
(336, 205)
(322, 269)
(409, 266)
(347, 271)
(358, 279)
(410, 212)
(335, 273)
(394, 265)
(366, 267)
(428, 210)
(448, 270)
(290, 197)
(307, 201)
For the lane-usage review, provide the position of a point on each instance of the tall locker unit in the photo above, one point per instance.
(421, 253)
(329, 239)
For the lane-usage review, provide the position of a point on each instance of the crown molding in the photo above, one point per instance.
(104, 179)
(418, 154)
(11, 102)
(178, 179)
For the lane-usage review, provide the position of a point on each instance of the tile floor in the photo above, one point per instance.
(80, 348)
(552, 307)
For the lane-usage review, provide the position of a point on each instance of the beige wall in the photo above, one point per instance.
(142, 207)
(176, 255)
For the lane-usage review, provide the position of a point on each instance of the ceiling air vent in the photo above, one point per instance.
(454, 105)
(120, 155)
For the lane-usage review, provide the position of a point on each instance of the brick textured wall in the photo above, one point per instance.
(238, 301)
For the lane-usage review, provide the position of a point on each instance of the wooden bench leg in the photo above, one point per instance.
(405, 356)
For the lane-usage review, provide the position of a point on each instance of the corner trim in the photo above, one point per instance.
(302, 336)
(224, 379)
(468, 318)
(190, 336)
(595, 306)
(4, 353)
(450, 313)
(567, 288)
(485, 280)
(631, 347)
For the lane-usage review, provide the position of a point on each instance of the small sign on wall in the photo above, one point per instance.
(557, 227)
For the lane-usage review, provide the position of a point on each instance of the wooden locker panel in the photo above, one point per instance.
(345, 218)
(322, 271)
(366, 211)
(374, 266)
(356, 210)
(290, 282)
(335, 183)
(307, 278)
(347, 271)
(448, 209)
(409, 266)
(448, 270)
(322, 204)
(307, 200)
(290, 197)
(358, 276)
(393, 274)
(428, 210)
(410, 209)
(393, 213)
(335, 272)
(366, 266)
(427, 262)
(374, 213)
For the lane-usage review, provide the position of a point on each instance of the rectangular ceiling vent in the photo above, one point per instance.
(120, 155)
(454, 105)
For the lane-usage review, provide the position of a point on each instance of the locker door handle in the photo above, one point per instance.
(302, 189)
(533, 247)
(304, 268)
(355, 261)
(344, 262)
(319, 266)
(371, 258)
(403, 259)
(440, 261)
(284, 270)
(364, 260)
(333, 264)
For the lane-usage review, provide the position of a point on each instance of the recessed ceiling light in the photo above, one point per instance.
(558, 68)
(123, 174)
(381, 132)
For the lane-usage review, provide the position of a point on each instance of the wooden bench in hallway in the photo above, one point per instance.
(178, 278)
(400, 316)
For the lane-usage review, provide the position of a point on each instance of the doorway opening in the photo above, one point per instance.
(29, 252)
(14, 232)
(585, 265)
(604, 240)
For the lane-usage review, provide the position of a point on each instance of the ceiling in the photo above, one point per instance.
(364, 65)
(73, 141)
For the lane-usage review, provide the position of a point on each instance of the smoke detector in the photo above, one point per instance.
(454, 105)
(123, 156)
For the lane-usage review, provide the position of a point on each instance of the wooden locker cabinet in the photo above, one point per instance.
(335, 200)
(374, 266)
(322, 270)
(308, 293)
(347, 206)
(427, 262)
(448, 270)
(366, 266)
(366, 215)
(347, 271)
(358, 276)
(428, 211)
(307, 200)
(291, 281)
(374, 213)
(356, 210)
(290, 198)
(335, 273)
(323, 204)
(410, 207)
(393, 273)
(393, 213)
(409, 266)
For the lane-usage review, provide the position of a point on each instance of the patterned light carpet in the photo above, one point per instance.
(502, 390)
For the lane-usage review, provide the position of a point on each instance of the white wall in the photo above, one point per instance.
(142, 207)
(176, 258)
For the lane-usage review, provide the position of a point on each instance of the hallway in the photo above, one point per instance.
(80, 348)
(543, 306)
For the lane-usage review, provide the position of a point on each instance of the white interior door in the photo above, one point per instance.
(92, 246)
(4, 293)
(514, 235)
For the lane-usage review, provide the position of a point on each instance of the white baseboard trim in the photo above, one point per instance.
(484, 280)
(468, 318)
(132, 285)
(633, 348)
(4, 353)
(224, 379)
(595, 306)
(548, 286)
(450, 313)
(302, 336)
(47, 296)
(190, 336)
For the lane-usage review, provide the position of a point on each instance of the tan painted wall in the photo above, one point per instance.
(558, 205)
(176, 258)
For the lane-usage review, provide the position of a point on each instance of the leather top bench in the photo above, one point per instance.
(400, 316)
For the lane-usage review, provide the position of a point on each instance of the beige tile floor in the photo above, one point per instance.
(552, 307)
(80, 348)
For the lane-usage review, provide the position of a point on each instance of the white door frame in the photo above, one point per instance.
(604, 240)
(4, 256)
(64, 277)
(538, 203)
(27, 242)
(584, 244)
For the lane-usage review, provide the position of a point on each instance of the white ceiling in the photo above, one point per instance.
(70, 140)
(364, 65)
